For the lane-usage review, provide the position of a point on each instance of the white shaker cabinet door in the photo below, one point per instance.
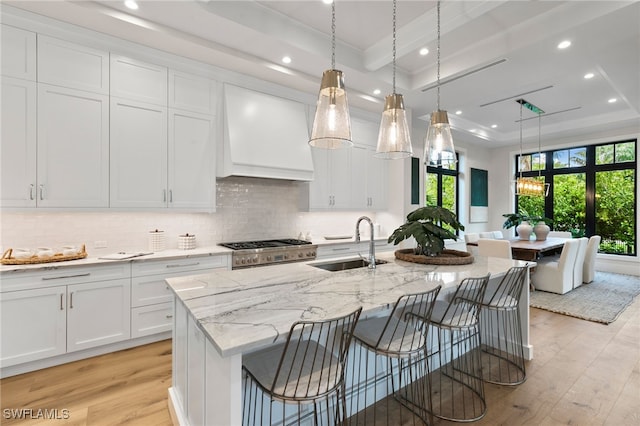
(341, 178)
(359, 179)
(18, 52)
(33, 325)
(138, 154)
(73, 148)
(377, 182)
(141, 81)
(98, 313)
(18, 148)
(320, 197)
(191, 163)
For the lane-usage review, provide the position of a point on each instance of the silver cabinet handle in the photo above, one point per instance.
(164, 195)
(71, 300)
(341, 249)
(61, 297)
(168, 316)
(171, 196)
(41, 191)
(31, 192)
(183, 265)
(65, 276)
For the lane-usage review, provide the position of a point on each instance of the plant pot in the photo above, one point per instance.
(524, 230)
(541, 230)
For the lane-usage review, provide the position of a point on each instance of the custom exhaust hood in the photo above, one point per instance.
(264, 136)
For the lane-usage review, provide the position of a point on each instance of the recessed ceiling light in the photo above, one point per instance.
(564, 44)
(131, 4)
(589, 75)
(286, 59)
(458, 112)
(376, 92)
(612, 100)
(493, 126)
(424, 51)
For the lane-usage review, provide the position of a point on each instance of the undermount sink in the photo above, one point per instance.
(343, 265)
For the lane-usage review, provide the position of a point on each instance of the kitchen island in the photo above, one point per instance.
(220, 316)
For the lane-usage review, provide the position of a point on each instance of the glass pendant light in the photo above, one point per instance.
(530, 186)
(394, 139)
(332, 124)
(439, 149)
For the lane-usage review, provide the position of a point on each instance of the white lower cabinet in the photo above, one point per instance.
(34, 324)
(80, 311)
(98, 314)
(151, 298)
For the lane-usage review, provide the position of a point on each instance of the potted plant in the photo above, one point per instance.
(526, 224)
(425, 225)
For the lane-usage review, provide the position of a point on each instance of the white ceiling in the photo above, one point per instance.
(500, 50)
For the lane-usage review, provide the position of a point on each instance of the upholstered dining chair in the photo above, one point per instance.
(471, 240)
(589, 266)
(498, 235)
(391, 352)
(494, 248)
(487, 235)
(579, 265)
(557, 276)
(559, 234)
(305, 373)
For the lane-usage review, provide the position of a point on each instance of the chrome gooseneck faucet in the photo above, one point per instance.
(372, 247)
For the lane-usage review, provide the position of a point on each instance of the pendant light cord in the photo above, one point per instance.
(520, 158)
(333, 35)
(438, 56)
(394, 47)
(539, 150)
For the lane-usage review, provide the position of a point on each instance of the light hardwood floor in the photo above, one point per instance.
(583, 373)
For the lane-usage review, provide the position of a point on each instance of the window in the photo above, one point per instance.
(592, 191)
(441, 185)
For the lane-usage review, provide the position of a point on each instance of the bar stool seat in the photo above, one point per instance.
(305, 375)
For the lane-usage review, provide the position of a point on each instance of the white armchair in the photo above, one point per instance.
(494, 248)
(557, 277)
(589, 266)
(473, 239)
(577, 269)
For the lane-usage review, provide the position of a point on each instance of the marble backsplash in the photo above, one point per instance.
(247, 209)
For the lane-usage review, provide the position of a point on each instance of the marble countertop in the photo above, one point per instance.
(248, 309)
(96, 260)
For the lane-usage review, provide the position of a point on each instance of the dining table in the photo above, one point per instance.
(535, 249)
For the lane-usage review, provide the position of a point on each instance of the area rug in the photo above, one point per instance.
(601, 301)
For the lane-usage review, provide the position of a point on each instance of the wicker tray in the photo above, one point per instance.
(58, 257)
(447, 257)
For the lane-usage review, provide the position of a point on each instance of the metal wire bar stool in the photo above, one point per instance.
(301, 379)
(390, 364)
(457, 388)
(501, 332)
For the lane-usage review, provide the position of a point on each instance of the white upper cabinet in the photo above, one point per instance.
(190, 92)
(73, 148)
(137, 80)
(70, 65)
(138, 154)
(18, 147)
(331, 185)
(18, 53)
(191, 159)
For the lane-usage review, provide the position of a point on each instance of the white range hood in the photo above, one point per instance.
(264, 136)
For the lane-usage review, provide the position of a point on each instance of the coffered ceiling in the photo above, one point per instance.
(492, 53)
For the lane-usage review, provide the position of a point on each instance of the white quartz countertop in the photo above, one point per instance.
(248, 309)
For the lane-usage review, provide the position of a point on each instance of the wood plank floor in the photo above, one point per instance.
(583, 373)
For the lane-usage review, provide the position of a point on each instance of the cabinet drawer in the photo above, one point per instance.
(149, 290)
(337, 250)
(186, 264)
(62, 275)
(153, 319)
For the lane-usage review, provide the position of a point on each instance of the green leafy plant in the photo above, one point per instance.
(426, 226)
(515, 219)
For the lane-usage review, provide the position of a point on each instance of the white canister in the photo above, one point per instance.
(156, 240)
(186, 242)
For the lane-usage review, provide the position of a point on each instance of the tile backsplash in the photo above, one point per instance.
(247, 209)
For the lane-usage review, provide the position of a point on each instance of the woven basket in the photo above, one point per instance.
(446, 257)
(58, 257)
